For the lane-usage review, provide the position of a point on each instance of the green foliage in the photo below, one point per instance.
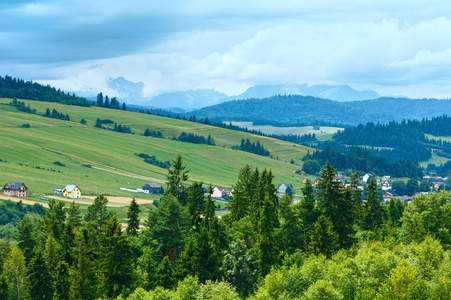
(133, 218)
(195, 139)
(373, 211)
(176, 178)
(39, 280)
(98, 213)
(165, 274)
(15, 270)
(324, 239)
(267, 251)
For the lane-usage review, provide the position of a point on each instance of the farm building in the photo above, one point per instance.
(219, 192)
(153, 188)
(15, 189)
(72, 191)
(282, 188)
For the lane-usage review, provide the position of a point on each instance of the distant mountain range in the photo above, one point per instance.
(308, 109)
(131, 93)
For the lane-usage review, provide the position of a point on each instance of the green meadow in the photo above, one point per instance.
(102, 161)
(269, 129)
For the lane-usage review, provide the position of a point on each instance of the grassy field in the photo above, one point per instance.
(269, 129)
(102, 161)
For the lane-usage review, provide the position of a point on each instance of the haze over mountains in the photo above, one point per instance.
(131, 92)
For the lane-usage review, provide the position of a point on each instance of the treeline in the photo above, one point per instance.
(328, 245)
(56, 115)
(154, 161)
(116, 127)
(13, 87)
(153, 133)
(363, 160)
(12, 213)
(407, 138)
(107, 103)
(253, 147)
(195, 139)
(20, 105)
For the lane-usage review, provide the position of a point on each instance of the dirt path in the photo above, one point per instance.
(17, 199)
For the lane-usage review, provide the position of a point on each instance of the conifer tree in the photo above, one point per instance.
(267, 252)
(356, 196)
(196, 204)
(309, 211)
(74, 215)
(373, 211)
(52, 252)
(133, 218)
(25, 238)
(291, 228)
(187, 263)
(61, 281)
(39, 281)
(83, 274)
(166, 227)
(324, 239)
(115, 260)
(176, 178)
(98, 213)
(165, 274)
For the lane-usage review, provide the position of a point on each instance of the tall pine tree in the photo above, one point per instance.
(133, 218)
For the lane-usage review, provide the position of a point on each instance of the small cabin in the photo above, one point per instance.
(153, 188)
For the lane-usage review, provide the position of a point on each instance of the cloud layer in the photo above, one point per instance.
(77, 45)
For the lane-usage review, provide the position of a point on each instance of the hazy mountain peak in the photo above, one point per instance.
(333, 92)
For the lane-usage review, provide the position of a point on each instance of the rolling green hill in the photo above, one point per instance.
(102, 161)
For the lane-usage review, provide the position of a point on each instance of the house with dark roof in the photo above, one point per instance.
(219, 192)
(153, 188)
(15, 189)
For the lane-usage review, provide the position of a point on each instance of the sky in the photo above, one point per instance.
(392, 47)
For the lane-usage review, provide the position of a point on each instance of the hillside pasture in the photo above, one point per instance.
(102, 161)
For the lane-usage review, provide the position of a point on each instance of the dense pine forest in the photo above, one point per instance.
(329, 245)
(18, 88)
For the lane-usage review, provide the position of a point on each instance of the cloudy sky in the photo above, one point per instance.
(393, 47)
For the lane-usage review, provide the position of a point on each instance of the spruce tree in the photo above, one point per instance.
(25, 238)
(98, 213)
(39, 281)
(291, 229)
(166, 227)
(133, 218)
(83, 275)
(4, 288)
(61, 281)
(52, 252)
(74, 215)
(176, 178)
(267, 252)
(324, 239)
(165, 274)
(373, 217)
(196, 204)
(115, 260)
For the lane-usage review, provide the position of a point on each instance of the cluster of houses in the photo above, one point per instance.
(153, 188)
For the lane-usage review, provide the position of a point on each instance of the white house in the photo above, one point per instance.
(282, 188)
(386, 185)
(219, 192)
(366, 177)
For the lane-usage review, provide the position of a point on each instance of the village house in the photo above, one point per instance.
(71, 191)
(152, 188)
(219, 192)
(366, 177)
(15, 189)
(386, 185)
(387, 196)
(58, 191)
(282, 188)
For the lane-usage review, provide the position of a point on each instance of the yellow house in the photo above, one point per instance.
(72, 191)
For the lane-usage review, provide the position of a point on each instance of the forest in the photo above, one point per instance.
(328, 245)
(359, 159)
(18, 88)
(407, 138)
